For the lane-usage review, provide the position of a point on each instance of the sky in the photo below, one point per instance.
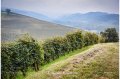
(61, 7)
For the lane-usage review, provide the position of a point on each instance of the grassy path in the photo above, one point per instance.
(98, 62)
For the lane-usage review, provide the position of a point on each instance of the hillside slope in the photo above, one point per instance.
(99, 62)
(14, 25)
(96, 21)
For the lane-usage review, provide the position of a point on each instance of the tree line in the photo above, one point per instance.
(27, 53)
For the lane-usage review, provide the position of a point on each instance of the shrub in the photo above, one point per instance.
(26, 52)
(30, 53)
(53, 48)
(101, 39)
(20, 56)
(90, 38)
(49, 53)
(8, 67)
(95, 38)
(75, 40)
(66, 48)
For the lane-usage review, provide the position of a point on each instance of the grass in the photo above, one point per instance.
(102, 67)
(61, 58)
(67, 55)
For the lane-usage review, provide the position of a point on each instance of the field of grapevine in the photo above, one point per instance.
(27, 53)
(75, 39)
(100, 61)
(59, 57)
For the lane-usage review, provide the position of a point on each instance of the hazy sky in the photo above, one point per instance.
(59, 7)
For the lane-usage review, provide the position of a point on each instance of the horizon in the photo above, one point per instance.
(54, 17)
(51, 8)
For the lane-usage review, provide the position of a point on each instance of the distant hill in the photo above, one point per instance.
(13, 25)
(29, 13)
(97, 21)
(91, 21)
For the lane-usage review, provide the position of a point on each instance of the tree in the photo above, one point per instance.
(8, 11)
(110, 35)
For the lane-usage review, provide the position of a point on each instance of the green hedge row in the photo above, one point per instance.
(19, 56)
(28, 53)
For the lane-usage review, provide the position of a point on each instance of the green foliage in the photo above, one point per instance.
(53, 48)
(8, 69)
(20, 56)
(90, 38)
(95, 38)
(101, 39)
(27, 53)
(57, 46)
(48, 51)
(75, 40)
(30, 52)
(87, 38)
(110, 35)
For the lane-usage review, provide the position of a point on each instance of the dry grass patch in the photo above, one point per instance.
(99, 62)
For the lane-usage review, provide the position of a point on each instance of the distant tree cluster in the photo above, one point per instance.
(8, 11)
(110, 35)
(27, 53)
